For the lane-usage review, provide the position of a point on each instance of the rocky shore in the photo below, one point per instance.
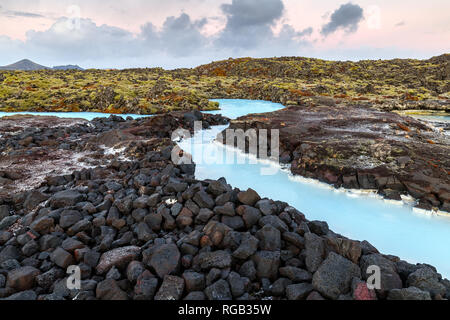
(140, 227)
(362, 148)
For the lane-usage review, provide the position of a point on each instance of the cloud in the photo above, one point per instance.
(347, 18)
(249, 22)
(23, 14)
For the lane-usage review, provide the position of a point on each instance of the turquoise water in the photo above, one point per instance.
(394, 228)
(234, 108)
(434, 118)
(81, 115)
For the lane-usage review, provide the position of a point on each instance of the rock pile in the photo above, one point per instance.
(146, 229)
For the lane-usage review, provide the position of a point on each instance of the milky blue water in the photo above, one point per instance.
(394, 228)
(80, 115)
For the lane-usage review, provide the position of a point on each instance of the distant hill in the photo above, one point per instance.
(28, 65)
(25, 65)
(68, 67)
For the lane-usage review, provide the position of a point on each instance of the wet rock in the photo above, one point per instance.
(220, 290)
(248, 270)
(171, 289)
(22, 278)
(411, 293)
(298, 291)
(249, 197)
(119, 258)
(4, 211)
(274, 222)
(164, 259)
(267, 207)
(334, 276)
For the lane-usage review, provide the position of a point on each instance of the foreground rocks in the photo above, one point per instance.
(143, 228)
(362, 148)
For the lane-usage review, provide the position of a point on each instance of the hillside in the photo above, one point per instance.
(382, 84)
(25, 65)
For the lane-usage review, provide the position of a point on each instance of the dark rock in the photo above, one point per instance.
(274, 222)
(110, 290)
(235, 223)
(250, 215)
(227, 209)
(248, 246)
(28, 295)
(119, 258)
(220, 290)
(314, 251)
(216, 259)
(279, 287)
(43, 225)
(389, 277)
(8, 222)
(62, 258)
(295, 239)
(411, 293)
(427, 279)
(34, 199)
(134, 270)
(164, 259)
(195, 296)
(296, 274)
(194, 281)
(335, 275)
(269, 238)
(22, 279)
(69, 218)
(66, 198)
(171, 289)
(318, 227)
(249, 197)
(298, 291)
(248, 270)
(237, 284)
(204, 200)
(145, 288)
(267, 264)
(267, 207)
(204, 215)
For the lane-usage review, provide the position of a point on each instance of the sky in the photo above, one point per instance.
(187, 33)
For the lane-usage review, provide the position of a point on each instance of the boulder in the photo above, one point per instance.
(334, 276)
(119, 258)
